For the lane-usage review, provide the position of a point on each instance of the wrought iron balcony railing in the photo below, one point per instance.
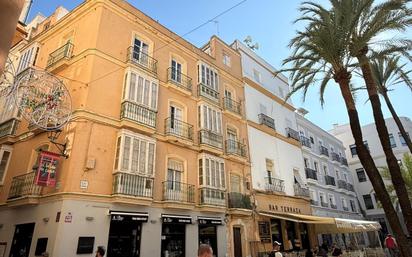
(23, 185)
(63, 52)
(138, 113)
(141, 59)
(231, 105)
(344, 161)
(342, 184)
(267, 121)
(208, 93)
(333, 206)
(132, 185)
(314, 202)
(179, 79)
(239, 201)
(211, 196)
(323, 150)
(330, 181)
(312, 174)
(345, 208)
(211, 138)
(350, 187)
(323, 204)
(335, 157)
(9, 127)
(305, 141)
(178, 192)
(178, 128)
(301, 191)
(235, 147)
(274, 185)
(293, 134)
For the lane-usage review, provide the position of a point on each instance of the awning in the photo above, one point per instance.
(180, 219)
(300, 218)
(129, 216)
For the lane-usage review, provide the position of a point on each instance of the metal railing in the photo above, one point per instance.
(231, 105)
(330, 181)
(292, 134)
(301, 191)
(345, 208)
(179, 192)
(312, 174)
(179, 79)
(63, 52)
(305, 141)
(235, 147)
(138, 113)
(323, 150)
(344, 161)
(211, 196)
(274, 185)
(178, 128)
(342, 184)
(132, 184)
(208, 92)
(142, 59)
(333, 206)
(335, 157)
(23, 185)
(9, 127)
(314, 202)
(239, 200)
(267, 121)
(350, 187)
(210, 138)
(323, 204)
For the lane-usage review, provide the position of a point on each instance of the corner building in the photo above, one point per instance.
(157, 145)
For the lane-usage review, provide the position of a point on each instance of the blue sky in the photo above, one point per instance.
(268, 22)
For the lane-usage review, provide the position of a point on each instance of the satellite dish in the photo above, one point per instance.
(256, 46)
(248, 39)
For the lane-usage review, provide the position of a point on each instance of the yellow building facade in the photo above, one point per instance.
(157, 159)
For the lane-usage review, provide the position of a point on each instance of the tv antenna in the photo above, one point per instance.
(249, 42)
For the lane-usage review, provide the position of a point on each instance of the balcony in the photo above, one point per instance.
(210, 196)
(323, 204)
(210, 138)
(323, 151)
(9, 127)
(179, 79)
(335, 157)
(350, 187)
(330, 181)
(344, 161)
(23, 185)
(132, 185)
(235, 147)
(178, 192)
(305, 141)
(141, 59)
(232, 106)
(267, 121)
(301, 191)
(345, 208)
(292, 134)
(342, 184)
(62, 53)
(312, 174)
(208, 93)
(274, 185)
(239, 201)
(138, 113)
(314, 202)
(179, 129)
(333, 206)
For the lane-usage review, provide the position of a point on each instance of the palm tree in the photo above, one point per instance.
(321, 54)
(367, 22)
(388, 72)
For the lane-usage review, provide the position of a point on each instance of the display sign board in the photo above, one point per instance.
(176, 219)
(264, 231)
(46, 172)
(209, 221)
(119, 217)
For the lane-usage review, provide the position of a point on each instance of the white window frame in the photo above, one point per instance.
(220, 183)
(5, 148)
(332, 196)
(313, 195)
(28, 57)
(213, 119)
(226, 59)
(208, 76)
(324, 196)
(152, 91)
(344, 202)
(257, 76)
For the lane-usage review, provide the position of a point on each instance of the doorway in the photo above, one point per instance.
(23, 235)
(124, 238)
(208, 235)
(237, 242)
(173, 240)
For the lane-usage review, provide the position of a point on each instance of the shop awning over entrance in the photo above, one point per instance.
(327, 225)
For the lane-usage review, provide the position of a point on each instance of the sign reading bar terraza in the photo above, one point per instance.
(281, 208)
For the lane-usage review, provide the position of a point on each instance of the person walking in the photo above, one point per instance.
(336, 251)
(276, 250)
(205, 251)
(391, 245)
(100, 251)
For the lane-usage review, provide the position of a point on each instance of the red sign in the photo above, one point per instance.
(46, 173)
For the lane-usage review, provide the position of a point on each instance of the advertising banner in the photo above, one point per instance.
(46, 172)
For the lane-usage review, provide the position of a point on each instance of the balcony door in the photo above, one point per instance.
(176, 72)
(231, 135)
(176, 117)
(235, 183)
(140, 51)
(228, 99)
(174, 180)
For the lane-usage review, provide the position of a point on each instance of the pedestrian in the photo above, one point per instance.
(323, 250)
(100, 251)
(336, 251)
(276, 250)
(310, 253)
(392, 246)
(205, 251)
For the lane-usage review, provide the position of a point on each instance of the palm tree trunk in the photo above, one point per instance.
(393, 165)
(368, 164)
(395, 116)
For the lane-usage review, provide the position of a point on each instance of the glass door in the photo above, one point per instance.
(176, 118)
(176, 72)
(140, 51)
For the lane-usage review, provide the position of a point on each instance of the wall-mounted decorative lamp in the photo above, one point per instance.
(88, 218)
(46, 219)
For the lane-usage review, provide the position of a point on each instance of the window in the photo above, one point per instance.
(352, 205)
(392, 140)
(27, 58)
(46, 26)
(210, 118)
(174, 174)
(344, 203)
(212, 172)
(269, 169)
(368, 202)
(256, 75)
(135, 153)
(141, 90)
(353, 150)
(5, 153)
(176, 71)
(325, 170)
(235, 183)
(313, 195)
(322, 197)
(8, 110)
(403, 142)
(361, 174)
(312, 140)
(208, 76)
(337, 174)
(306, 162)
(140, 51)
(226, 59)
(315, 165)
(332, 200)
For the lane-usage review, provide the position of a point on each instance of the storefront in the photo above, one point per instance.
(174, 235)
(208, 232)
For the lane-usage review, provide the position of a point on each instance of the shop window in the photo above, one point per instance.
(41, 246)
(276, 232)
(85, 245)
(208, 235)
(173, 240)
